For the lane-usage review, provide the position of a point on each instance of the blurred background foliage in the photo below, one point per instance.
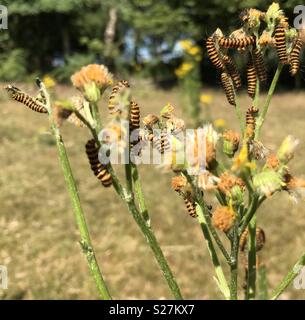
(133, 37)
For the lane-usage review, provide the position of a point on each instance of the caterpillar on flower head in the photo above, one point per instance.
(294, 57)
(228, 88)
(232, 70)
(235, 43)
(213, 54)
(280, 41)
(25, 99)
(251, 79)
(100, 170)
(251, 121)
(112, 104)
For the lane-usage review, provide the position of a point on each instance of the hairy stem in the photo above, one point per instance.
(262, 117)
(221, 280)
(127, 197)
(140, 195)
(77, 208)
(205, 211)
(292, 274)
(234, 264)
(251, 281)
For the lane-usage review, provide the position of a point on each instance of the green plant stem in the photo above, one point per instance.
(205, 211)
(261, 119)
(292, 274)
(249, 214)
(239, 114)
(251, 281)
(153, 243)
(234, 264)
(262, 283)
(77, 208)
(96, 116)
(140, 195)
(221, 280)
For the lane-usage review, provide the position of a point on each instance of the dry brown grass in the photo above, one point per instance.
(39, 241)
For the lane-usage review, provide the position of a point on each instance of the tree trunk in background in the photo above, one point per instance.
(66, 41)
(109, 37)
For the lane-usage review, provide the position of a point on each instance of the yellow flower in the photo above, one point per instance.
(194, 50)
(242, 159)
(184, 69)
(48, 81)
(186, 44)
(219, 123)
(206, 98)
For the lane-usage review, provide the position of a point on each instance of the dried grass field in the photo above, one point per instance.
(39, 240)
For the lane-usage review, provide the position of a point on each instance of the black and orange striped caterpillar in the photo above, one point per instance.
(162, 143)
(232, 70)
(190, 204)
(134, 121)
(228, 88)
(251, 78)
(251, 121)
(294, 58)
(213, 54)
(100, 170)
(260, 239)
(112, 104)
(259, 65)
(25, 99)
(236, 43)
(280, 41)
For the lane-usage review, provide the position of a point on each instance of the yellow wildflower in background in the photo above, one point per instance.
(48, 81)
(194, 50)
(184, 69)
(219, 123)
(186, 44)
(206, 98)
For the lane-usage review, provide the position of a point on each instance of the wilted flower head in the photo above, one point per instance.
(272, 162)
(273, 13)
(223, 218)
(175, 125)
(207, 181)
(92, 80)
(227, 182)
(268, 182)
(167, 111)
(201, 148)
(60, 113)
(266, 39)
(287, 149)
(252, 17)
(178, 183)
(230, 142)
(295, 187)
(150, 120)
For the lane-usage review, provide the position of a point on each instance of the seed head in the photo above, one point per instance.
(223, 218)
